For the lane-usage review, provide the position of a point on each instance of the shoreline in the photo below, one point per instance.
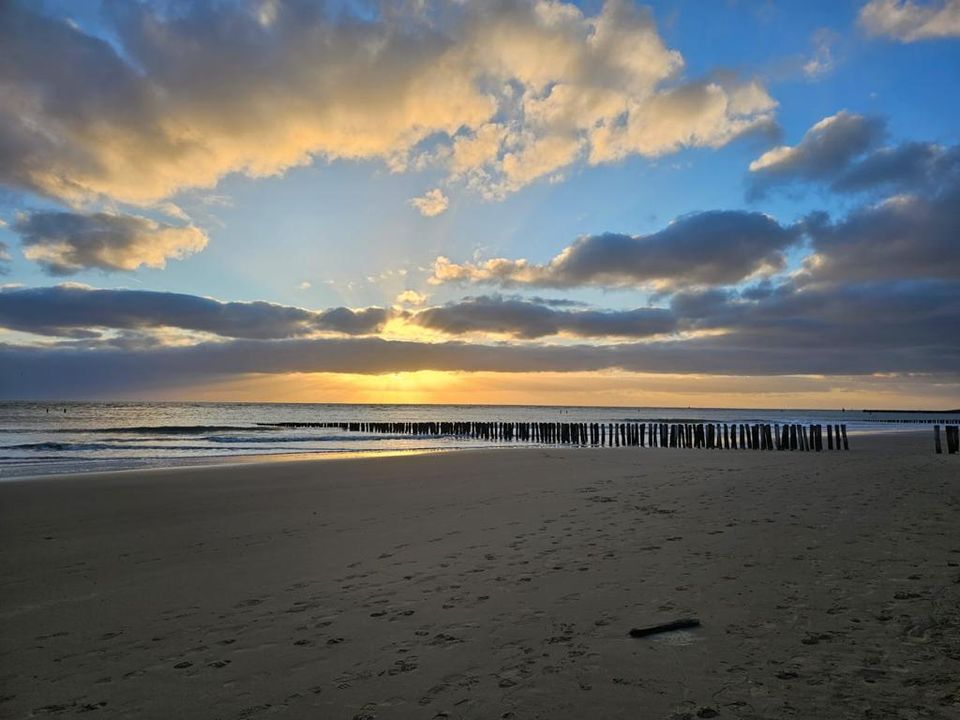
(200, 462)
(219, 461)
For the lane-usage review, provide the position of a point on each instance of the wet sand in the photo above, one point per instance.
(491, 584)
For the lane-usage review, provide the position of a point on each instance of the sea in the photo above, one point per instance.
(44, 438)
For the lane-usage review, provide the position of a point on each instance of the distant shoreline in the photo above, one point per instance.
(915, 412)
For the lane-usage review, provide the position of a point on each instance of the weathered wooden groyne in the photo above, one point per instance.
(871, 417)
(953, 439)
(709, 436)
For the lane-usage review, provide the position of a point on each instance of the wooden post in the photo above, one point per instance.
(953, 439)
(936, 439)
(846, 445)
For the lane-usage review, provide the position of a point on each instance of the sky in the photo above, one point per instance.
(739, 203)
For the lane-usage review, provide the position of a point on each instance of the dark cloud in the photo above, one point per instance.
(825, 151)
(911, 234)
(530, 319)
(708, 248)
(550, 302)
(869, 318)
(63, 95)
(906, 326)
(910, 167)
(4, 258)
(65, 243)
(842, 152)
(77, 311)
(349, 321)
(40, 373)
(905, 236)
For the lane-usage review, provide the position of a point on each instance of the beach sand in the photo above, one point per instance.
(493, 584)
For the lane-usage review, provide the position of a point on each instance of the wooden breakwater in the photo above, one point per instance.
(709, 436)
(953, 439)
(871, 417)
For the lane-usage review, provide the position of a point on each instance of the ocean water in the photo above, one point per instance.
(39, 438)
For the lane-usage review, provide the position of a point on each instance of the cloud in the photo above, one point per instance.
(4, 258)
(717, 247)
(529, 319)
(905, 236)
(172, 210)
(410, 297)
(305, 285)
(908, 234)
(821, 61)
(844, 318)
(875, 313)
(825, 149)
(432, 203)
(845, 330)
(699, 114)
(909, 21)
(918, 167)
(81, 311)
(495, 95)
(843, 152)
(64, 243)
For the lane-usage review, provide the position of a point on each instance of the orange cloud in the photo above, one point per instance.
(505, 93)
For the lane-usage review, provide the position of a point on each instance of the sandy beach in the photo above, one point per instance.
(493, 584)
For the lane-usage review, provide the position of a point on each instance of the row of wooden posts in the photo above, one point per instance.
(719, 436)
(953, 439)
(911, 421)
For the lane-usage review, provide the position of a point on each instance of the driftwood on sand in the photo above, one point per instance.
(682, 624)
